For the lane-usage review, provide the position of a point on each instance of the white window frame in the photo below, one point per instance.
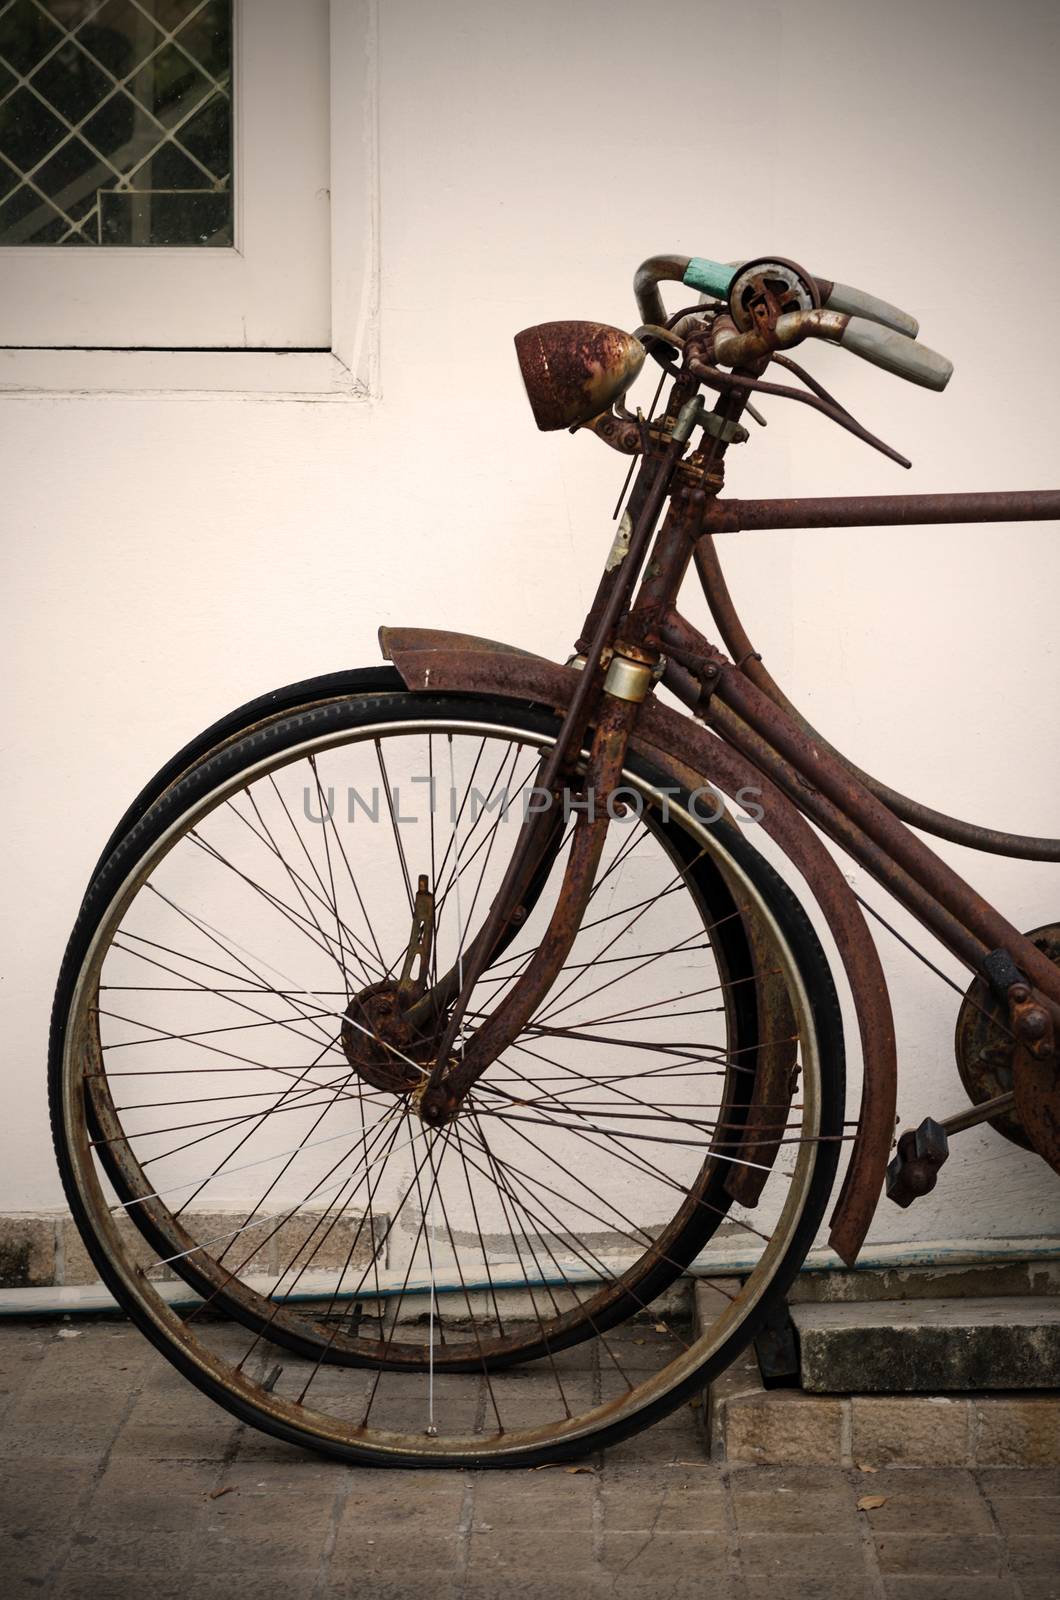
(349, 370)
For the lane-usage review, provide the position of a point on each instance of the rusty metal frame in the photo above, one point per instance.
(753, 737)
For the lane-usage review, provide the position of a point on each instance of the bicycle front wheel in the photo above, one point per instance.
(229, 1075)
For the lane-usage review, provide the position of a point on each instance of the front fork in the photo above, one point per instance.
(440, 1099)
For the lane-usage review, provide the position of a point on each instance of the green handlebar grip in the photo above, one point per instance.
(895, 353)
(709, 277)
(859, 304)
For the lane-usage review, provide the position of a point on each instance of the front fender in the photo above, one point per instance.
(429, 658)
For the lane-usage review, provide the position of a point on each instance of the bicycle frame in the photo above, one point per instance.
(745, 734)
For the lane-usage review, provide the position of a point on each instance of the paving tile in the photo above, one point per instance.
(916, 1508)
(949, 1588)
(236, 1512)
(86, 1441)
(282, 1546)
(939, 1553)
(673, 1583)
(522, 1509)
(631, 1508)
(73, 1584)
(1019, 1482)
(784, 1511)
(299, 1473)
(847, 1586)
(27, 1558)
(389, 1553)
(1037, 1555)
(172, 1442)
(37, 1493)
(802, 1553)
(411, 1503)
(24, 1341)
(115, 1545)
(1040, 1588)
(645, 1555)
(537, 1585)
(1026, 1516)
(168, 1496)
(519, 1550)
(823, 1481)
(676, 1438)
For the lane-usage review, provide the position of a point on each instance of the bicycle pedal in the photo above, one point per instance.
(914, 1170)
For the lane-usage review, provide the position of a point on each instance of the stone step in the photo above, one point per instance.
(929, 1346)
(929, 1279)
(746, 1423)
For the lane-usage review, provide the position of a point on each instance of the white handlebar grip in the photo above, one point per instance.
(895, 353)
(856, 303)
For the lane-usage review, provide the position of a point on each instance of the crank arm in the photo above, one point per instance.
(972, 1116)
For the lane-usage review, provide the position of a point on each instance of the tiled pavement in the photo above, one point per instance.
(112, 1470)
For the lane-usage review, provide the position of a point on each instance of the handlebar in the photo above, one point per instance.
(870, 327)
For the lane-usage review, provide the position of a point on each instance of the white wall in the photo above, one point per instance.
(168, 558)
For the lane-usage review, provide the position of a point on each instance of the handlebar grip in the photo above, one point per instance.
(856, 303)
(709, 277)
(895, 353)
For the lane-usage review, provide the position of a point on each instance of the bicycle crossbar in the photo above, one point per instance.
(880, 510)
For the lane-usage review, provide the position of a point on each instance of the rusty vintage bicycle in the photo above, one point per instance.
(428, 1029)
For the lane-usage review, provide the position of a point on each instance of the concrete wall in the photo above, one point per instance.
(167, 558)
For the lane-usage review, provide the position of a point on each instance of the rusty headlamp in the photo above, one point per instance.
(573, 371)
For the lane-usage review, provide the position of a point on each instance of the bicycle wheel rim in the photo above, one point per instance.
(161, 1324)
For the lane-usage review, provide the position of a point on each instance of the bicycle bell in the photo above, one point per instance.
(791, 286)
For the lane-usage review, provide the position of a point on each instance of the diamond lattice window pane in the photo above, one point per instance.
(116, 122)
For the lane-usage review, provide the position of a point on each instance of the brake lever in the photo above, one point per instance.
(885, 348)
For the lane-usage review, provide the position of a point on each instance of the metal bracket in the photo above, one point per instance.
(719, 428)
(421, 942)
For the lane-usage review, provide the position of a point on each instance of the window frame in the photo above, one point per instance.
(349, 369)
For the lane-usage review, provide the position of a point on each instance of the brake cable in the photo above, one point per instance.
(715, 378)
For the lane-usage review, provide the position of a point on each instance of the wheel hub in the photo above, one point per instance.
(379, 1043)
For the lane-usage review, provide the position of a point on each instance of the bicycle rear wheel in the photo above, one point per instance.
(589, 1166)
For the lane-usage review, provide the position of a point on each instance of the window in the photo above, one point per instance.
(185, 175)
(116, 122)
